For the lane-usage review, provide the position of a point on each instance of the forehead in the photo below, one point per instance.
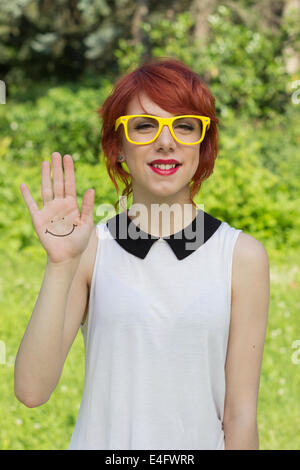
(149, 106)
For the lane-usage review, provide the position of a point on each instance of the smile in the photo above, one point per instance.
(47, 231)
(161, 171)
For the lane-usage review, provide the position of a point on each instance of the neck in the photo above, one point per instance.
(164, 219)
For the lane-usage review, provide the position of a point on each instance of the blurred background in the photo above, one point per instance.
(59, 60)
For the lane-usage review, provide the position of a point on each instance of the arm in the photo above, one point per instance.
(52, 328)
(248, 323)
(39, 360)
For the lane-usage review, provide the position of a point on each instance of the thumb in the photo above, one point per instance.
(87, 205)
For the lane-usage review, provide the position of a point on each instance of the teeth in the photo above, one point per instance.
(164, 167)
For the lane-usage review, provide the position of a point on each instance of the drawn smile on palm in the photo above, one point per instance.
(58, 235)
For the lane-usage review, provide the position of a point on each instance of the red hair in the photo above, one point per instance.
(174, 87)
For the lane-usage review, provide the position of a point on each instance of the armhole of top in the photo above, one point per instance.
(83, 325)
(230, 267)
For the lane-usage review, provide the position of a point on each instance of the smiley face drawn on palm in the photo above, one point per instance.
(60, 226)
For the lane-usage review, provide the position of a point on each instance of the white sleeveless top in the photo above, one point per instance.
(155, 342)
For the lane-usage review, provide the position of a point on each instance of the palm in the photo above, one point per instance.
(56, 222)
(62, 230)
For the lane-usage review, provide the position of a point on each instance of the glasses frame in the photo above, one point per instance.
(163, 122)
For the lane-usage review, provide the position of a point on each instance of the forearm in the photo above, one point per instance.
(241, 434)
(38, 363)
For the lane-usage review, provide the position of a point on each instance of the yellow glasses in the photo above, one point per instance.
(143, 129)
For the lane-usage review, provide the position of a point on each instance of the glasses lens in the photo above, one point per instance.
(144, 129)
(188, 129)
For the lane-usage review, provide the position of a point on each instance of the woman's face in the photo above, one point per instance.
(147, 185)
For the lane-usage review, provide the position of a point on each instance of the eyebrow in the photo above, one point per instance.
(155, 115)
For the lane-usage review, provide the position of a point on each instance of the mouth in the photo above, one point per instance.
(165, 169)
(47, 231)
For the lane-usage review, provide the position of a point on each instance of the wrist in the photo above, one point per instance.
(63, 265)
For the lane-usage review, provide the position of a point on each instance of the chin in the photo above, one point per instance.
(163, 194)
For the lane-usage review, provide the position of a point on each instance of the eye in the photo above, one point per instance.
(142, 126)
(51, 221)
(63, 218)
(186, 126)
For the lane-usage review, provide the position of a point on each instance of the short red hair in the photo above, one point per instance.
(174, 87)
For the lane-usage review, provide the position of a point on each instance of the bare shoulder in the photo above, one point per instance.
(90, 256)
(250, 258)
(248, 247)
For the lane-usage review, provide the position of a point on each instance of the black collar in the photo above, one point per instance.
(137, 242)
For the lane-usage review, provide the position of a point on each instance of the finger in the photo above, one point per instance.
(47, 193)
(58, 176)
(30, 202)
(87, 205)
(70, 184)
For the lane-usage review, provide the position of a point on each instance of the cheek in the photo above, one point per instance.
(194, 160)
(136, 163)
(194, 163)
(137, 159)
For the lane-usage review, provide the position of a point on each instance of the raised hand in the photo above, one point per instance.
(62, 230)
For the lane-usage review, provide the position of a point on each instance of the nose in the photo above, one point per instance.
(165, 136)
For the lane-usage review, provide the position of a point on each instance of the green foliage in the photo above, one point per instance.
(62, 119)
(254, 193)
(66, 39)
(59, 38)
(245, 68)
(128, 56)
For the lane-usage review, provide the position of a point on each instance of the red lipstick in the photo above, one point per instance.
(166, 172)
(161, 161)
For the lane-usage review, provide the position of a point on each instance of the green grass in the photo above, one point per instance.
(50, 426)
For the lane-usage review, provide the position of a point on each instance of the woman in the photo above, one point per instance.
(173, 310)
